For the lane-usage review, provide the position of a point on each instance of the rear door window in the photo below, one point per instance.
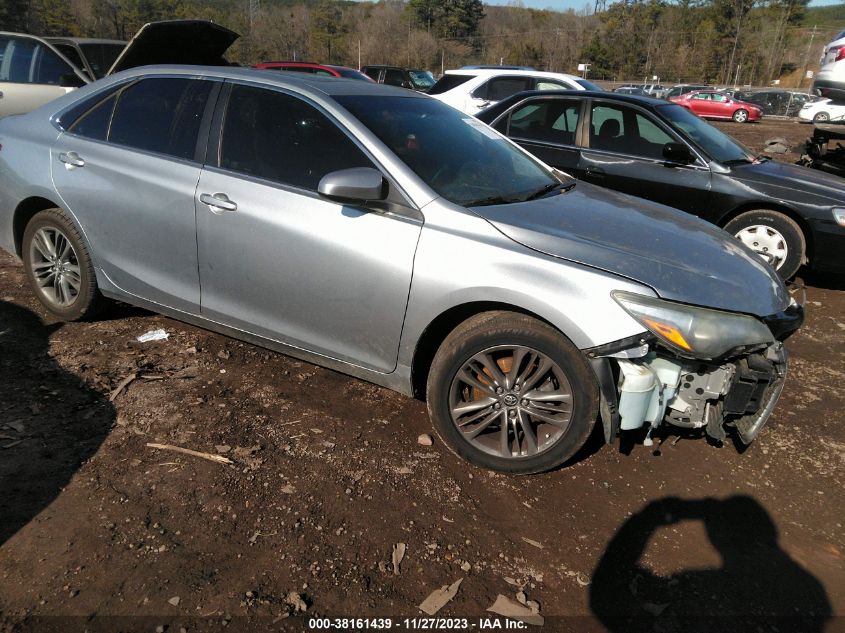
(550, 121)
(500, 88)
(94, 124)
(275, 136)
(160, 115)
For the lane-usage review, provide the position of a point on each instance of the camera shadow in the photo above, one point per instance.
(757, 588)
(51, 422)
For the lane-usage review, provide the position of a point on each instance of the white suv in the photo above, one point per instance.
(830, 82)
(473, 89)
(33, 72)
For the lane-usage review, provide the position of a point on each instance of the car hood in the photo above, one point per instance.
(791, 180)
(196, 42)
(678, 255)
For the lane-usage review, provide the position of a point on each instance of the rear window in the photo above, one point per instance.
(448, 82)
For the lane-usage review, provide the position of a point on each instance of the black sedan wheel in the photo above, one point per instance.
(510, 393)
(775, 237)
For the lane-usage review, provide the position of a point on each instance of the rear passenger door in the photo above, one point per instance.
(548, 128)
(127, 168)
(622, 149)
(31, 74)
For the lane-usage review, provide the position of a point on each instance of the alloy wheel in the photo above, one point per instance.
(55, 266)
(766, 242)
(511, 401)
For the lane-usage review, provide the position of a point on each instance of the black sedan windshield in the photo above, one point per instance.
(717, 145)
(458, 156)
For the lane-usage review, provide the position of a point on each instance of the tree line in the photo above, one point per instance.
(710, 41)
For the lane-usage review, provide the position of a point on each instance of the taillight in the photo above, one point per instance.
(840, 52)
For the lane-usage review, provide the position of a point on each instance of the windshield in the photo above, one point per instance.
(101, 56)
(589, 85)
(456, 155)
(422, 79)
(717, 145)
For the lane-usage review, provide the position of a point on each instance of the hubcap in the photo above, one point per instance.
(511, 401)
(55, 266)
(740, 116)
(766, 242)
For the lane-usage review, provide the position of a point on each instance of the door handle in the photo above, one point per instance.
(218, 201)
(71, 159)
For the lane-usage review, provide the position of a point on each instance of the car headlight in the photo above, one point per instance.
(692, 331)
(839, 215)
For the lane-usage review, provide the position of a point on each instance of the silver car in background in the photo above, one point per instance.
(381, 233)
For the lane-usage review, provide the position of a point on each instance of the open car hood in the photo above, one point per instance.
(683, 258)
(195, 42)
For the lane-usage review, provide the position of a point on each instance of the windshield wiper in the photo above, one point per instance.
(542, 191)
(484, 202)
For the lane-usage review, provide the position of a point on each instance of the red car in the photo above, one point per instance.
(712, 104)
(327, 70)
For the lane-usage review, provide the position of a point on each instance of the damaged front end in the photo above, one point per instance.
(696, 368)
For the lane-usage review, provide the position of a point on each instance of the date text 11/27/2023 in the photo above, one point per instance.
(415, 624)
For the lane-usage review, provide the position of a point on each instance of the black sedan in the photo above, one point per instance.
(660, 151)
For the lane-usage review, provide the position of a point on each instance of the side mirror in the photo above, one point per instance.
(71, 80)
(678, 153)
(358, 184)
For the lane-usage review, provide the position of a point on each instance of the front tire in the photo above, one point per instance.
(58, 266)
(510, 393)
(774, 236)
(821, 117)
(740, 116)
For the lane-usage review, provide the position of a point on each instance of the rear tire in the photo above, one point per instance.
(58, 266)
(821, 117)
(740, 116)
(771, 235)
(510, 393)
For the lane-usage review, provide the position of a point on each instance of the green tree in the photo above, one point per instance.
(14, 15)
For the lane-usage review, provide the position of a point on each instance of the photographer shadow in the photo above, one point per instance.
(757, 588)
(51, 422)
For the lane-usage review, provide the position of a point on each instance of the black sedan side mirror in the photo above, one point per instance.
(358, 184)
(678, 153)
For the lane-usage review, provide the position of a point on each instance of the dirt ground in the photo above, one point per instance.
(100, 532)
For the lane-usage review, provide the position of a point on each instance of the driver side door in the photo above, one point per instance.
(623, 150)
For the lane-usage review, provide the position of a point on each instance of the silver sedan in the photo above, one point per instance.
(381, 233)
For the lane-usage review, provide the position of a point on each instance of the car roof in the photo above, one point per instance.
(284, 63)
(493, 112)
(492, 72)
(615, 96)
(314, 84)
(84, 40)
